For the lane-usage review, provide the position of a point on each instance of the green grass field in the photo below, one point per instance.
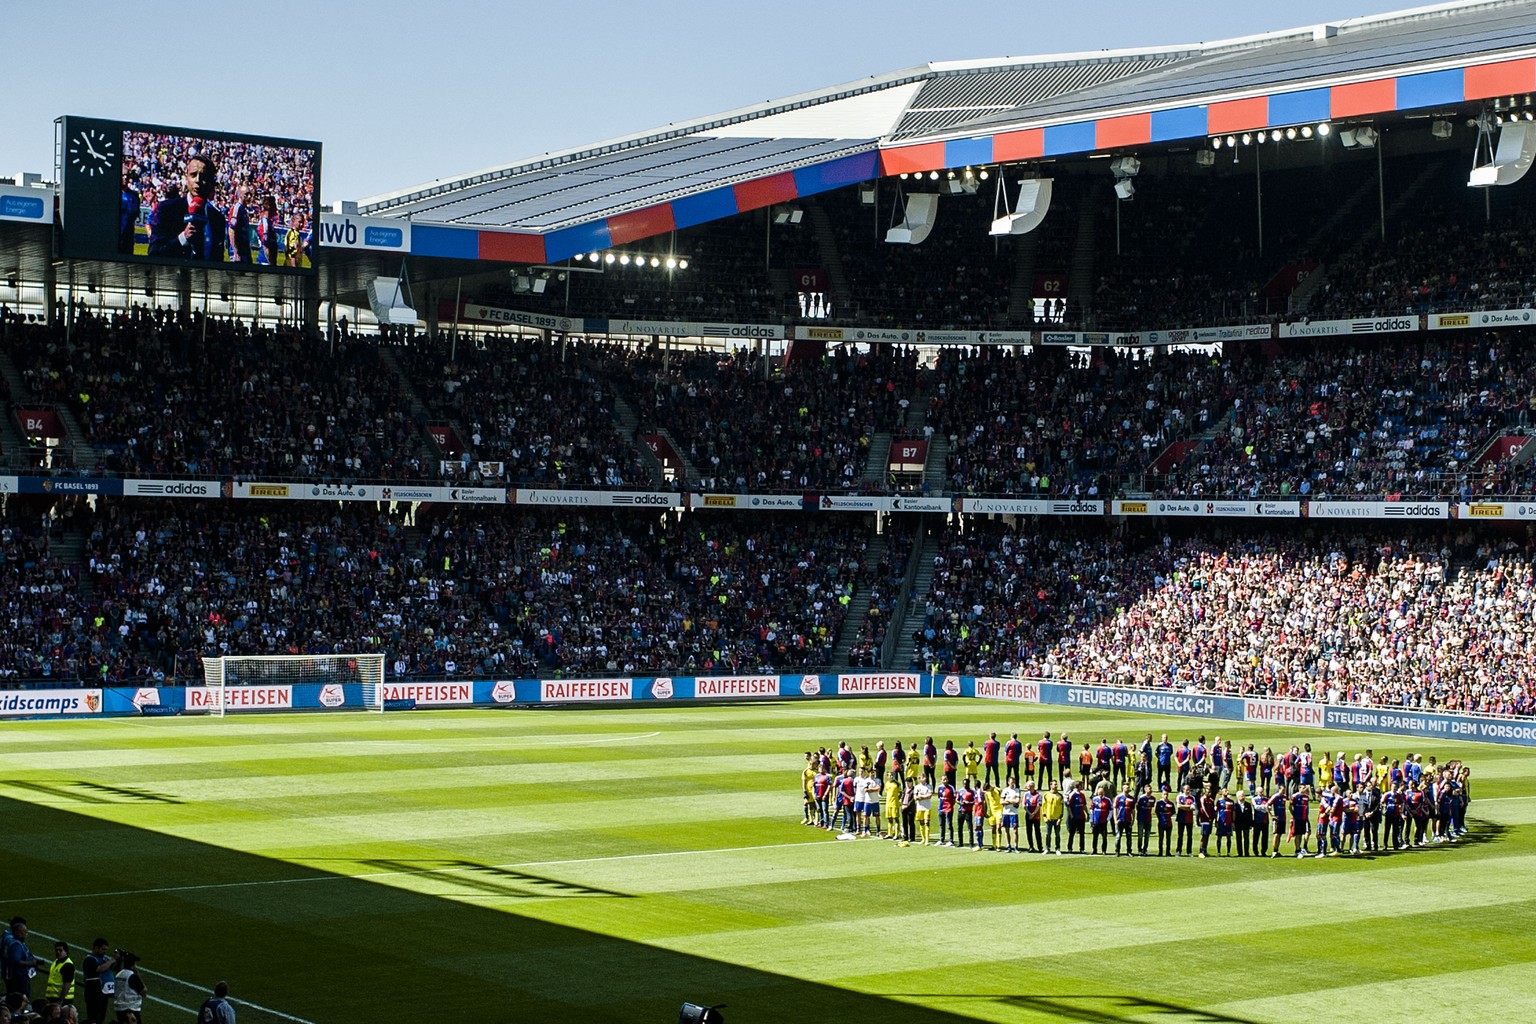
(608, 864)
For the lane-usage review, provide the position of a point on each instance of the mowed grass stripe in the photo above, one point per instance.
(1242, 968)
(1090, 922)
(1443, 994)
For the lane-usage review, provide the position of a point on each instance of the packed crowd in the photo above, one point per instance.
(526, 406)
(43, 606)
(1378, 619)
(1339, 420)
(885, 588)
(1053, 422)
(593, 592)
(165, 394)
(108, 981)
(1190, 250)
(1241, 798)
(462, 593)
(747, 426)
(1438, 256)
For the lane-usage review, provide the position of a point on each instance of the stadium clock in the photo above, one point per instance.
(91, 152)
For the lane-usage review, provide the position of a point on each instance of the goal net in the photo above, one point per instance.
(255, 682)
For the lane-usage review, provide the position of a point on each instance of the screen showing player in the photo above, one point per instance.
(171, 195)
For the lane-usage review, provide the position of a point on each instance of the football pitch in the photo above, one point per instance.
(607, 864)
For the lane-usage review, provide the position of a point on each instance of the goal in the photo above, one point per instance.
(345, 679)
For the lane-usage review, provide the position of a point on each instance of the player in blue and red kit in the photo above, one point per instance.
(1164, 822)
(946, 794)
(1125, 813)
(1011, 752)
(1077, 819)
(1184, 844)
(1226, 819)
(1301, 819)
(1145, 803)
(966, 807)
(1033, 800)
(1099, 810)
(1119, 759)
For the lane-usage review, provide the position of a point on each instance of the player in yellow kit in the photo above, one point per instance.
(807, 783)
(892, 808)
(970, 758)
(994, 799)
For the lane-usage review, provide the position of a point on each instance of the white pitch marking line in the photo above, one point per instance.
(199, 988)
(391, 874)
(626, 739)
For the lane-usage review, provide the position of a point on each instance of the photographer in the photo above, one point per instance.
(217, 1008)
(128, 999)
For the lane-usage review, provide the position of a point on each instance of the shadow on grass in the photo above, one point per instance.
(1101, 1009)
(335, 950)
(1479, 833)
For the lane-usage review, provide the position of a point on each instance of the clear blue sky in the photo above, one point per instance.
(402, 93)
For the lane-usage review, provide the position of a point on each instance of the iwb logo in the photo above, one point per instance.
(343, 232)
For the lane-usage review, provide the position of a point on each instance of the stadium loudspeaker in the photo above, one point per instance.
(387, 302)
(917, 220)
(1034, 203)
(1440, 129)
(1517, 150)
(1125, 167)
(1124, 188)
(693, 1013)
(867, 195)
(1205, 157)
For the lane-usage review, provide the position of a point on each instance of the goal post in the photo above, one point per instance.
(344, 679)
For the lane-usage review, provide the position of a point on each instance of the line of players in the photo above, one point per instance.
(1243, 799)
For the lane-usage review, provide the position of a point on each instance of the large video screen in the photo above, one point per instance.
(177, 196)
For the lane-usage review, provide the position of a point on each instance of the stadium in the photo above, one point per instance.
(478, 599)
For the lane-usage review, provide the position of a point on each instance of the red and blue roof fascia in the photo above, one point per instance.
(648, 222)
(1278, 110)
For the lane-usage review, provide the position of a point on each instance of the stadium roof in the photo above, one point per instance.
(955, 114)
